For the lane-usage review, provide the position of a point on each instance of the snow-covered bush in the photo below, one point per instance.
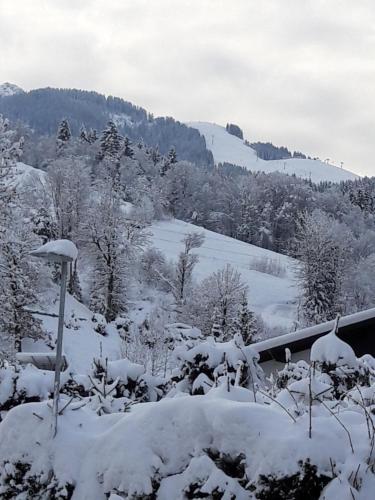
(124, 380)
(100, 324)
(22, 385)
(337, 360)
(202, 366)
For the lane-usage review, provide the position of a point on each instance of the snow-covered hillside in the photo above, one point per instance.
(7, 89)
(274, 297)
(228, 148)
(82, 342)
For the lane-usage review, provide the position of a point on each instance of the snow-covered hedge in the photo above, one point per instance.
(220, 431)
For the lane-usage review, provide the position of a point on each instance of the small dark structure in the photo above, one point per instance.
(358, 330)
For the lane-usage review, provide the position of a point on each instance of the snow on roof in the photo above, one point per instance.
(305, 333)
(57, 250)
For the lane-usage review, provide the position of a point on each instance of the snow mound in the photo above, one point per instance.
(166, 443)
(231, 149)
(333, 351)
(124, 369)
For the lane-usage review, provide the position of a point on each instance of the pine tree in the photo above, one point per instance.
(63, 136)
(109, 157)
(83, 136)
(322, 252)
(127, 149)
(110, 144)
(92, 136)
(245, 323)
(172, 156)
(155, 155)
(164, 167)
(168, 163)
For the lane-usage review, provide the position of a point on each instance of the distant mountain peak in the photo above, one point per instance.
(7, 89)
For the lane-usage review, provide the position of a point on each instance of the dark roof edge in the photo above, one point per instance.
(310, 331)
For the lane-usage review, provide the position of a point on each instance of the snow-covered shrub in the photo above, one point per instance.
(20, 385)
(337, 360)
(18, 482)
(126, 380)
(181, 333)
(305, 484)
(203, 365)
(291, 373)
(123, 326)
(25, 384)
(100, 324)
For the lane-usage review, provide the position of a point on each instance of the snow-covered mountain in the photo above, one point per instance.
(231, 149)
(8, 89)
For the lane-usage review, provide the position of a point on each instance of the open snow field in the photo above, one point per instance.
(273, 297)
(228, 148)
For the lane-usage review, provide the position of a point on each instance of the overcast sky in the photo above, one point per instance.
(299, 73)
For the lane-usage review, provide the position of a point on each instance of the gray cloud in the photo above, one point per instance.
(297, 72)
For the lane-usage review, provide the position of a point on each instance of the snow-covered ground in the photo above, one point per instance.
(228, 148)
(82, 343)
(271, 296)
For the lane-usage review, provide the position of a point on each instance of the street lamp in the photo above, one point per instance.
(58, 251)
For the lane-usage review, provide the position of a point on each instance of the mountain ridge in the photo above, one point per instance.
(199, 142)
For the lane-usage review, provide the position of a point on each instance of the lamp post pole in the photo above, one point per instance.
(58, 251)
(60, 330)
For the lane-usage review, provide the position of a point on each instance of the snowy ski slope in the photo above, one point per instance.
(228, 148)
(271, 296)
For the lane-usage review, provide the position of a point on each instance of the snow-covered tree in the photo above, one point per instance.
(18, 286)
(104, 230)
(220, 293)
(110, 144)
(74, 285)
(185, 265)
(245, 323)
(322, 249)
(10, 153)
(172, 156)
(92, 136)
(83, 136)
(127, 149)
(114, 240)
(63, 137)
(68, 186)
